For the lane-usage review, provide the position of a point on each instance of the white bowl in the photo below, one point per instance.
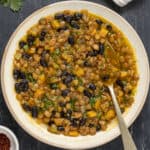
(14, 145)
(40, 132)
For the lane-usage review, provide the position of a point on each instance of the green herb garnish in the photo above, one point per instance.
(26, 47)
(72, 102)
(47, 102)
(99, 114)
(92, 101)
(57, 52)
(80, 81)
(30, 77)
(53, 85)
(14, 5)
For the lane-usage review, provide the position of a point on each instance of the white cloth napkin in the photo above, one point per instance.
(122, 3)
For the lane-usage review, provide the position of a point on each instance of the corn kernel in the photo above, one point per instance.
(97, 104)
(75, 82)
(36, 57)
(91, 114)
(42, 78)
(79, 71)
(62, 86)
(73, 133)
(52, 49)
(59, 109)
(55, 24)
(67, 57)
(110, 114)
(37, 42)
(80, 88)
(51, 71)
(123, 74)
(31, 50)
(38, 93)
(103, 32)
(93, 32)
(33, 31)
(53, 129)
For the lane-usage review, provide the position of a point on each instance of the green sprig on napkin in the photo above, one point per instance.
(14, 5)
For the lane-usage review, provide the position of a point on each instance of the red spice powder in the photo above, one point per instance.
(4, 142)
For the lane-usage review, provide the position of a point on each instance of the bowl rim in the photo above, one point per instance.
(5, 130)
(7, 48)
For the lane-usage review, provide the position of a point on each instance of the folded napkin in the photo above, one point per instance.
(122, 3)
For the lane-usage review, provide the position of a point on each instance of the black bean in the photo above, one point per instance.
(41, 38)
(82, 121)
(71, 40)
(53, 113)
(78, 16)
(26, 56)
(30, 39)
(68, 114)
(91, 125)
(105, 77)
(22, 44)
(50, 122)
(74, 25)
(92, 86)
(62, 28)
(59, 16)
(44, 52)
(98, 128)
(109, 27)
(92, 53)
(120, 83)
(74, 122)
(68, 18)
(17, 74)
(26, 107)
(101, 49)
(87, 93)
(65, 92)
(69, 111)
(21, 86)
(62, 114)
(64, 73)
(43, 33)
(68, 79)
(86, 63)
(43, 62)
(99, 22)
(60, 128)
(62, 104)
(34, 112)
(105, 88)
(130, 92)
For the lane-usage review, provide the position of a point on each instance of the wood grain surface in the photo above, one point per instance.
(138, 15)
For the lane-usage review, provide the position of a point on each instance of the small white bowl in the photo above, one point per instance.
(40, 132)
(14, 145)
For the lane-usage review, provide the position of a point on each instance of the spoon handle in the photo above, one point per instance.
(128, 142)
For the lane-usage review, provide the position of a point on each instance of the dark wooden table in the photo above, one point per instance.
(138, 15)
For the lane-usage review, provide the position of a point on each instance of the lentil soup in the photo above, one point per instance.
(60, 68)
